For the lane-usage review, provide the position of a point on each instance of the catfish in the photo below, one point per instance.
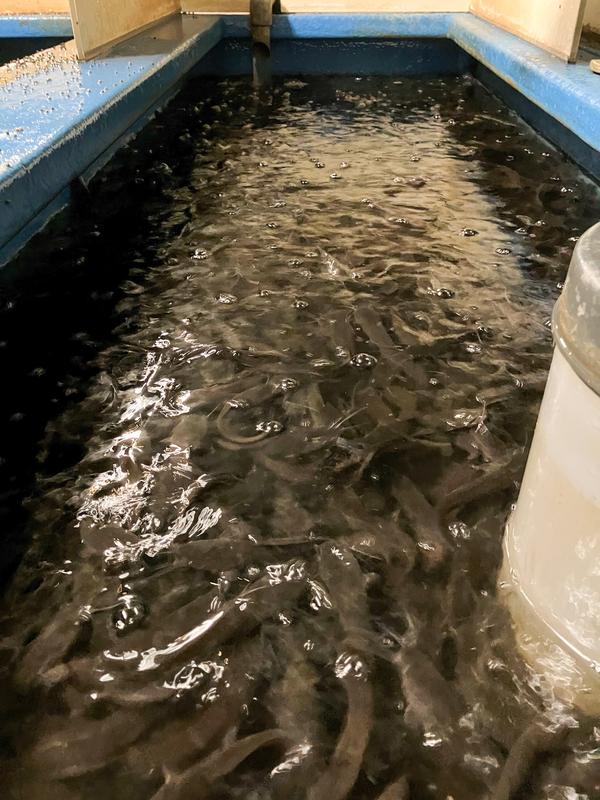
(533, 742)
(77, 746)
(397, 790)
(432, 704)
(345, 582)
(294, 704)
(339, 776)
(425, 521)
(180, 741)
(67, 630)
(259, 601)
(197, 781)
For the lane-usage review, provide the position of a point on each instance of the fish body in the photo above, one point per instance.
(261, 600)
(189, 431)
(52, 646)
(84, 745)
(432, 704)
(346, 585)
(196, 782)
(339, 776)
(398, 790)
(532, 742)
(425, 522)
(294, 704)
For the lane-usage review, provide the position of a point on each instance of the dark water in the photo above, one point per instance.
(269, 389)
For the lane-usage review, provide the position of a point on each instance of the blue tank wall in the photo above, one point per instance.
(62, 119)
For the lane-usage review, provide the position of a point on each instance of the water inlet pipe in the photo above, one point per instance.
(550, 575)
(261, 23)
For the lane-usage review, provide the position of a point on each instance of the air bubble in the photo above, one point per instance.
(129, 614)
(363, 361)
(287, 384)
(272, 426)
(226, 299)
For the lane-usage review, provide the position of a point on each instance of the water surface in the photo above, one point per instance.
(269, 389)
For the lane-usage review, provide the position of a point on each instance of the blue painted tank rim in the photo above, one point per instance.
(21, 26)
(112, 94)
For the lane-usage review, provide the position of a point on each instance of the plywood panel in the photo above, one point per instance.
(555, 25)
(100, 23)
(332, 6)
(591, 17)
(34, 6)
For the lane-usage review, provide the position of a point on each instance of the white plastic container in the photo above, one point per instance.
(551, 570)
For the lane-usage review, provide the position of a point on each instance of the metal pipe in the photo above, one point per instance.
(551, 570)
(261, 23)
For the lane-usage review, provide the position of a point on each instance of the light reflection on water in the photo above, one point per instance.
(296, 446)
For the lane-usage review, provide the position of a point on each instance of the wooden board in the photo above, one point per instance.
(97, 24)
(591, 17)
(554, 25)
(332, 6)
(34, 6)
